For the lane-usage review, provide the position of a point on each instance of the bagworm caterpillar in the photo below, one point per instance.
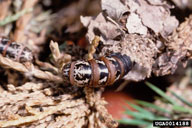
(97, 72)
(14, 50)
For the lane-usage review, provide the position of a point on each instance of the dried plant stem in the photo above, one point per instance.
(59, 59)
(122, 86)
(46, 65)
(46, 75)
(93, 47)
(55, 50)
(31, 70)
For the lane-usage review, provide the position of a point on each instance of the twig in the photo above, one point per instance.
(55, 50)
(59, 59)
(31, 70)
(46, 66)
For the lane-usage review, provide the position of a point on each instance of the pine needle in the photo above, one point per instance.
(14, 17)
(161, 93)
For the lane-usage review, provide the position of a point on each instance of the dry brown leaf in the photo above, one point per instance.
(156, 17)
(143, 49)
(114, 8)
(142, 14)
(134, 25)
(101, 27)
(178, 50)
(70, 15)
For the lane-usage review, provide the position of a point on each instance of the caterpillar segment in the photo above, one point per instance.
(15, 51)
(97, 72)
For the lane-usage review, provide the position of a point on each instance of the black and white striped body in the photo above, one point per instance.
(96, 73)
(14, 50)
